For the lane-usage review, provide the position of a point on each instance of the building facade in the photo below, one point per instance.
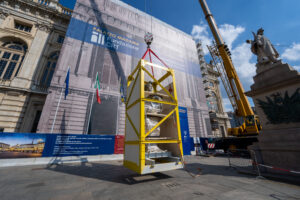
(106, 37)
(4, 146)
(218, 118)
(31, 37)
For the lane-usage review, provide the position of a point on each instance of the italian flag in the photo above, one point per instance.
(97, 86)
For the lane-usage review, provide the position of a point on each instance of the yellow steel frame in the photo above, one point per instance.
(140, 70)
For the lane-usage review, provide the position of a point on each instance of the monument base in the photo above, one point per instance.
(276, 95)
(279, 149)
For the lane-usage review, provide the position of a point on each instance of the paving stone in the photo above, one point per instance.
(110, 180)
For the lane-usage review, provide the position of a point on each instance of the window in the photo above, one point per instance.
(60, 39)
(36, 121)
(22, 27)
(49, 69)
(11, 58)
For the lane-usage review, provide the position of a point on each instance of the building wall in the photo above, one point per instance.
(114, 58)
(22, 95)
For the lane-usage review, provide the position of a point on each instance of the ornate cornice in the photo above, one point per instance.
(3, 15)
(36, 5)
(44, 27)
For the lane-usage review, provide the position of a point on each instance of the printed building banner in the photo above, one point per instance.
(106, 37)
(28, 145)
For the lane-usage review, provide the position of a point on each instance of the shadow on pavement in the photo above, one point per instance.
(119, 174)
(106, 172)
(239, 171)
(205, 169)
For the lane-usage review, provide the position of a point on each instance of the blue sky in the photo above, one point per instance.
(236, 19)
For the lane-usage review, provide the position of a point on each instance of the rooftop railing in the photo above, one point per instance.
(54, 5)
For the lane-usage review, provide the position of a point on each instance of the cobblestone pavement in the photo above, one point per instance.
(110, 180)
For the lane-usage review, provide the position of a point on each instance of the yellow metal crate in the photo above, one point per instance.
(136, 137)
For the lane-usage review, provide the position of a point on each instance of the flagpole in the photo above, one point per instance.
(58, 105)
(57, 109)
(89, 119)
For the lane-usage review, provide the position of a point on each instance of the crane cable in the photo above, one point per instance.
(148, 51)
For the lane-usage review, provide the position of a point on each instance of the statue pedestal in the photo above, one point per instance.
(276, 95)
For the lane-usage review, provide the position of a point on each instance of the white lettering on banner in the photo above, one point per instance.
(94, 37)
(97, 38)
(119, 42)
(111, 45)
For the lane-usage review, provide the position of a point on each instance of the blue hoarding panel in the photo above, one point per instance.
(185, 134)
(76, 145)
(28, 145)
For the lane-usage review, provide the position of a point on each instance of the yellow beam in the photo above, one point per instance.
(164, 77)
(128, 107)
(129, 80)
(160, 122)
(136, 132)
(132, 142)
(155, 65)
(177, 113)
(162, 87)
(132, 165)
(152, 142)
(157, 101)
(161, 141)
(137, 67)
(132, 88)
(142, 147)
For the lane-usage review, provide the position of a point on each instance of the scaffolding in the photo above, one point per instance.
(218, 63)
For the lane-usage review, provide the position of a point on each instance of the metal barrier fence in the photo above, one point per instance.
(245, 161)
(241, 160)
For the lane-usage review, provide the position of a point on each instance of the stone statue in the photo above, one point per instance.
(263, 48)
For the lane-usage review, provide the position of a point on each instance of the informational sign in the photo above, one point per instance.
(119, 144)
(28, 145)
(106, 37)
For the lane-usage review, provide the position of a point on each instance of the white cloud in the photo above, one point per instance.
(297, 68)
(241, 57)
(230, 33)
(227, 105)
(200, 33)
(241, 54)
(292, 53)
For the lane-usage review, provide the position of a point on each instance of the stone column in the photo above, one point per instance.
(33, 57)
(85, 59)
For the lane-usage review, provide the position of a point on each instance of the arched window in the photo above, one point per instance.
(12, 54)
(49, 69)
